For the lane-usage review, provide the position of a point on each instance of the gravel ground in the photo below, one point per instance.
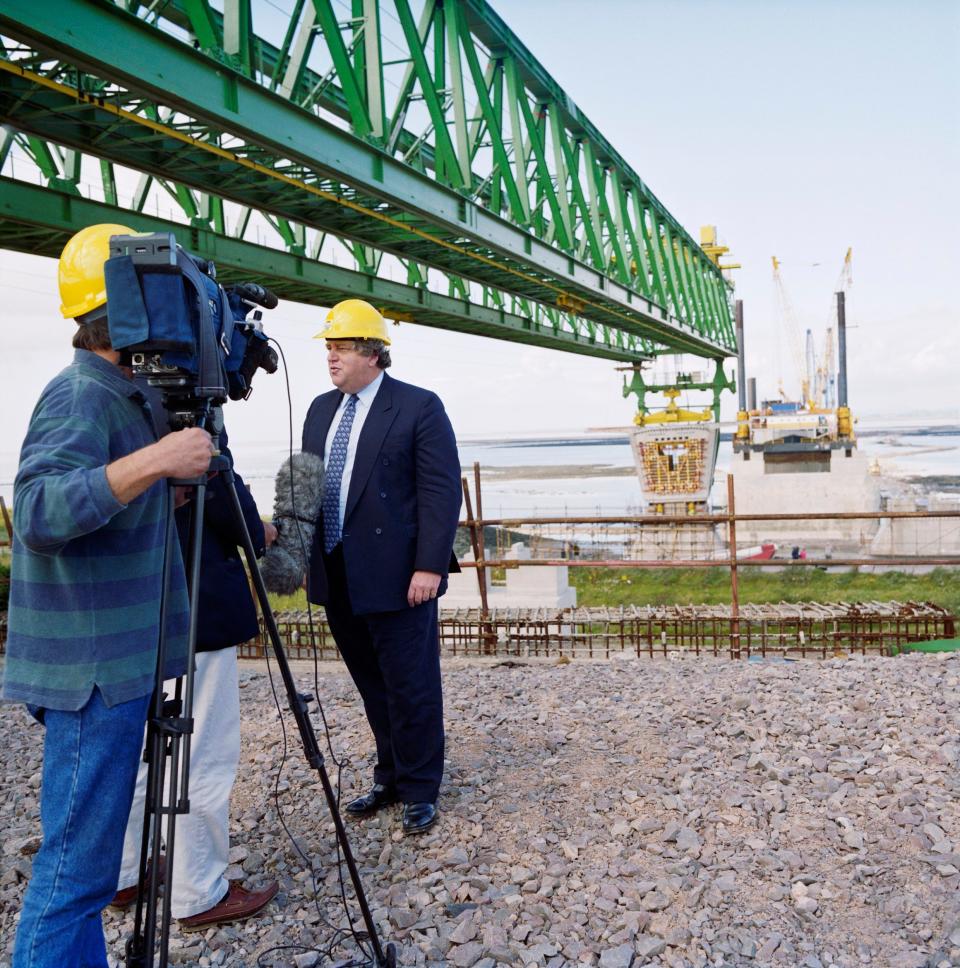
(620, 813)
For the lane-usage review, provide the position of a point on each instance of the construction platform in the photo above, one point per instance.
(797, 630)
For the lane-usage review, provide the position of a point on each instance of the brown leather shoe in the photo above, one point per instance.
(237, 905)
(126, 897)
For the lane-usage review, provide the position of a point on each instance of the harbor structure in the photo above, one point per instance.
(800, 455)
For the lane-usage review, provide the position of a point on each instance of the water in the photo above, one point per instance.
(503, 495)
(510, 489)
(607, 451)
(584, 475)
(933, 452)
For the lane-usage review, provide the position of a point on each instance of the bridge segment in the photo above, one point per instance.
(479, 177)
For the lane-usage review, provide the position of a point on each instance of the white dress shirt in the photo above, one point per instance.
(365, 398)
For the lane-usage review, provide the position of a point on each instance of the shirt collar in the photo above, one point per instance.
(107, 373)
(366, 395)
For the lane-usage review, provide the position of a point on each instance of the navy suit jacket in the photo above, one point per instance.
(404, 499)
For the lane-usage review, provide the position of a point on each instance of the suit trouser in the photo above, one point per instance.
(394, 659)
(202, 844)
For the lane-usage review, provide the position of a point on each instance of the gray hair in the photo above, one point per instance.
(374, 347)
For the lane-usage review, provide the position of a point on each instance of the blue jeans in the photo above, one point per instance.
(90, 760)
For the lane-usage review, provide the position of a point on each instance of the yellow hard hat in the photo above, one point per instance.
(82, 284)
(355, 319)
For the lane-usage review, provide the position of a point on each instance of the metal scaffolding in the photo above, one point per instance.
(796, 630)
(421, 140)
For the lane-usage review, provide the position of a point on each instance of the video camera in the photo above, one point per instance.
(179, 328)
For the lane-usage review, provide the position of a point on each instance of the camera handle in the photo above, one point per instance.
(298, 706)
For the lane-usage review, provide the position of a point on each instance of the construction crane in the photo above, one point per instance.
(792, 329)
(826, 374)
(816, 371)
(845, 279)
(827, 371)
(801, 434)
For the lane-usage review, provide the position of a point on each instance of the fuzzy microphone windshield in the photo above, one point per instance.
(295, 510)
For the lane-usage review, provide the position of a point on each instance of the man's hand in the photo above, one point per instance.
(269, 534)
(423, 587)
(185, 453)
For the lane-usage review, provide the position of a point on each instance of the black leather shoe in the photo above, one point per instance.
(380, 796)
(418, 817)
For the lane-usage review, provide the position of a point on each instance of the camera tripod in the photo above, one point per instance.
(169, 730)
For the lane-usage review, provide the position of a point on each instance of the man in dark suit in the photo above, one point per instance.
(382, 551)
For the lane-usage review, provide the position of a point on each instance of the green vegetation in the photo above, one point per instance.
(674, 586)
(711, 586)
(289, 603)
(666, 586)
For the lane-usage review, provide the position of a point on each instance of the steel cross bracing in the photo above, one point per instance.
(54, 216)
(458, 159)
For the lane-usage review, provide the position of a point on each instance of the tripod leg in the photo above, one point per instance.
(298, 706)
(168, 736)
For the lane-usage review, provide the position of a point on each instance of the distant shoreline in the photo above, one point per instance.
(496, 474)
(541, 472)
(945, 483)
(523, 469)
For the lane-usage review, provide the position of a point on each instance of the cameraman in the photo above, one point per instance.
(90, 522)
(226, 618)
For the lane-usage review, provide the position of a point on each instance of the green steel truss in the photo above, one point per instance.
(421, 142)
(55, 216)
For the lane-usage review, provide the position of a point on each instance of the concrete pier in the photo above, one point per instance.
(524, 587)
(850, 485)
(918, 536)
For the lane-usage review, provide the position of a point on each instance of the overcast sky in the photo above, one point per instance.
(798, 128)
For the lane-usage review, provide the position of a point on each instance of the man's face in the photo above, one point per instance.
(350, 372)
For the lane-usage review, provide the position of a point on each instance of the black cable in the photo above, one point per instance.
(339, 935)
(337, 931)
(340, 764)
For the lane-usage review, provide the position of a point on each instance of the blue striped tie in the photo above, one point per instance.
(334, 476)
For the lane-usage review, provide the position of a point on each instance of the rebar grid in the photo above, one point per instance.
(804, 629)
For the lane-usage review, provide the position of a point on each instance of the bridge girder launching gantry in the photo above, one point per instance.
(459, 163)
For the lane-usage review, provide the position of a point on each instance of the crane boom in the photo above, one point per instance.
(792, 327)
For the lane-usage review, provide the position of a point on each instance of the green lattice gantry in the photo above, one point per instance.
(413, 153)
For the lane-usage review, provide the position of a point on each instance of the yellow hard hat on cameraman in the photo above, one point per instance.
(355, 319)
(80, 272)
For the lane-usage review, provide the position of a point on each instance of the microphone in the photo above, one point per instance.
(258, 294)
(295, 509)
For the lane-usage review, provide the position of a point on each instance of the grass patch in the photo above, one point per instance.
(289, 603)
(711, 586)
